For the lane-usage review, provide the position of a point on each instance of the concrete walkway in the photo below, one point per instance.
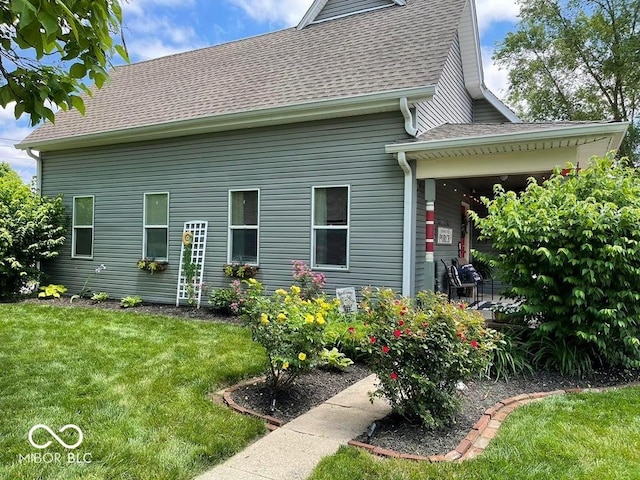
(293, 451)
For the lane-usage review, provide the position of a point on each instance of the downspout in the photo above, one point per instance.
(38, 160)
(409, 207)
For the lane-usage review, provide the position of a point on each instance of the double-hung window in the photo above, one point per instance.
(244, 215)
(82, 242)
(155, 244)
(330, 227)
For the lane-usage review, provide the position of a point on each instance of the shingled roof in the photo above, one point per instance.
(399, 47)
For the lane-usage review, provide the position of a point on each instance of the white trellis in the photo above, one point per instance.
(198, 231)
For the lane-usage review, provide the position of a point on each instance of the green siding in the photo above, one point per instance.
(484, 112)
(283, 162)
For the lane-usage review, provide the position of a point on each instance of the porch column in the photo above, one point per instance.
(429, 266)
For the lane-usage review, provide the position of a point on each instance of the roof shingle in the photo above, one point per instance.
(392, 48)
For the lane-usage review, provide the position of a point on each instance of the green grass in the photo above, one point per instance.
(577, 436)
(135, 384)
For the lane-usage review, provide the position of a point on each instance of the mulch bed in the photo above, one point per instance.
(391, 432)
(396, 433)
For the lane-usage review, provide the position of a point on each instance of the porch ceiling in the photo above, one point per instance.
(478, 150)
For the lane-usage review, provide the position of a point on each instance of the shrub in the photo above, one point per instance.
(310, 283)
(100, 297)
(346, 336)
(333, 359)
(420, 353)
(571, 249)
(130, 301)
(289, 327)
(52, 291)
(223, 299)
(31, 229)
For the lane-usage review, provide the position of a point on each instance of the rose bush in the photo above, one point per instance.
(422, 350)
(289, 327)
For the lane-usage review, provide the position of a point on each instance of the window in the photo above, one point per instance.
(82, 242)
(330, 227)
(156, 226)
(244, 212)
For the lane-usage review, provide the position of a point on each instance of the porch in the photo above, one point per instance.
(459, 163)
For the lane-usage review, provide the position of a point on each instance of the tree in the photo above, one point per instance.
(571, 249)
(48, 47)
(31, 229)
(576, 60)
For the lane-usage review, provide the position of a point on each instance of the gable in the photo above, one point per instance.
(322, 10)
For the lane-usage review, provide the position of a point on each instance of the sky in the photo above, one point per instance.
(155, 28)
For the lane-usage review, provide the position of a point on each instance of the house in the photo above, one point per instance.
(330, 142)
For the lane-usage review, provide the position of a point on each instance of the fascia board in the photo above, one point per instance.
(313, 11)
(317, 110)
(615, 130)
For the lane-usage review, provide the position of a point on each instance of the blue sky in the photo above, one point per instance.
(154, 28)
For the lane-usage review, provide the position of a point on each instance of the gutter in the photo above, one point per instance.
(408, 236)
(38, 160)
(386, 101)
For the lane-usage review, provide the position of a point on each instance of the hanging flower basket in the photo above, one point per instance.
(237, 270)
(152, 265)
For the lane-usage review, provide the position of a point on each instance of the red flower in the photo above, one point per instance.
(401, 322)
(424, 324)
(373, 339)
(396, 302)
(461, 336)
(463, 306)
(397, 333)
(407, 331)
(403, 311)
(394, 376)
(385, 349)
(474, 344)
(351, 330)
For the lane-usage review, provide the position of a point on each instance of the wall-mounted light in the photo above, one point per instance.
(504, 177)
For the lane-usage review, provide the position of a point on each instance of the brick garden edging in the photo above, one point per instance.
(272, 422)
(484, 429)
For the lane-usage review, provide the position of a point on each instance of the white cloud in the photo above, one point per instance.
(496, 78)
(158, 35)
(491, 11)
(282, 12)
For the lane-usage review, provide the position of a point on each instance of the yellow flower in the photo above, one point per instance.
(302, 356)
(308, 318)
(253, 281)
(320, 319)
(285, 365)
(295, 289)
(280, 291)
(264, 319)
(282, 317)
(287, 299)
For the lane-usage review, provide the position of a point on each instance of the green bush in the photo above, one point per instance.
(100, 297)
(571, 249)
(31, 229)
(420, 353)
(52, 291)
(346, 336)
(130, 301)
(290, 329)
(334, 360)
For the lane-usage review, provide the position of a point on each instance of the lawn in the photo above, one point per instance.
(135, 384)
(577, 436)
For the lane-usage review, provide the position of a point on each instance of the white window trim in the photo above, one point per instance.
(74, 226)
(230, 227)
(145, 226)
(314, 264)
